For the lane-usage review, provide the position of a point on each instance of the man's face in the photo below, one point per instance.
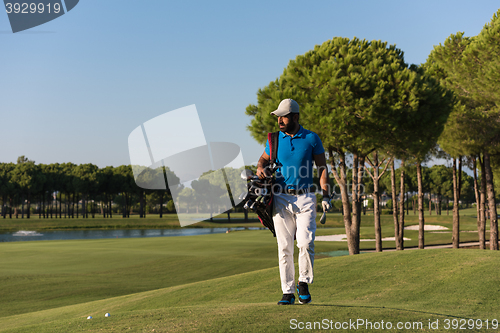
(287, 123)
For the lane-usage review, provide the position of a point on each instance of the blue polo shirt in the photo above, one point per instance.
(296, 155)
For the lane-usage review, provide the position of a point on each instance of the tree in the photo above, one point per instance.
(7, 186)
(376, 175)
(68, 175)
(469, 67)
(127, 187)
(418, 133)
(357, 96)
(85, 182)
(28, 177)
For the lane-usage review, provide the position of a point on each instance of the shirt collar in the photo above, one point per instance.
(298, 134)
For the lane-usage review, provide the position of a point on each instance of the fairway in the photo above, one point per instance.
(46, 274)
(408, 287)
(230, 282)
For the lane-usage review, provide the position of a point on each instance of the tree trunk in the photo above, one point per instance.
(124, 206)
(356, 214)
(28, 205)
(359, 192)
(376, 195)
(110, 213)
(430, 203)
(161, 204)
(43, 205)
(402, 207)
(129, 205)
(456, 216)
(376, 204)
(482, 194)
(83, 207)
(421, 219)
(407, 204)
(480, 226)
(352, 238)
(395, 207)
(141, 207)
(490, 189)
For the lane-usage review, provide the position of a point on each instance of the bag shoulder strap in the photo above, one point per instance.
(273, 146)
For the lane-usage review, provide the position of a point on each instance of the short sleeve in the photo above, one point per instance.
(268, 151)
(317, 145)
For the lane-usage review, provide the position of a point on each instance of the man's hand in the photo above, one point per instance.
(263, 172)
(326, 204)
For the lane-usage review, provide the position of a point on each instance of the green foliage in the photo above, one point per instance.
(358, 96)
(470, 67)
(171, 206)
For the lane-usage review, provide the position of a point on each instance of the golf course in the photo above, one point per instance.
(229, 282)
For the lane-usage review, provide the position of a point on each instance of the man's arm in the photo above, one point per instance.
(324, 181)
(262, 171)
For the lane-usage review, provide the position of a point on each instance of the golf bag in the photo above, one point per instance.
(260, 194)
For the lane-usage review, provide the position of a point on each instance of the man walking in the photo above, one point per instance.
(294, 202)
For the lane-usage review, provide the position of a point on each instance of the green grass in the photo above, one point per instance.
(404, 286)
(47, 274)
(229, 282)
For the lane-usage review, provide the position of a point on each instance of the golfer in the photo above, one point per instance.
(294, 199)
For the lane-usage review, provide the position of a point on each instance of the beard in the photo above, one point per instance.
(288, 128)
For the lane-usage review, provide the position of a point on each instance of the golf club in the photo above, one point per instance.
(322, 220)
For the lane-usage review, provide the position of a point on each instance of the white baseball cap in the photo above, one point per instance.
(286, 106)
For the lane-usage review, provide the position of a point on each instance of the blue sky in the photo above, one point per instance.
(73, 89)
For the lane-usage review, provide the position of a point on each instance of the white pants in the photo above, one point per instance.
(295, 217)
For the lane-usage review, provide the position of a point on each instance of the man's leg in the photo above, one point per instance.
(284, 224)
(306, 229)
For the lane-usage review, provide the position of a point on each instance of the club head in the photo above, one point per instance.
(247, 174)
(243, 196)
(247, 204)
(322, 220)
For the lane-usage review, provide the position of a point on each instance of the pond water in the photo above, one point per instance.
(111, 233)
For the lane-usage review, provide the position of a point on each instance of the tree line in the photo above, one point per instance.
(370, 108)
(85, 189)
(73, 190)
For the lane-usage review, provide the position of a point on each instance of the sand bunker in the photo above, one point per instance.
(427, 227)
(343, 238)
